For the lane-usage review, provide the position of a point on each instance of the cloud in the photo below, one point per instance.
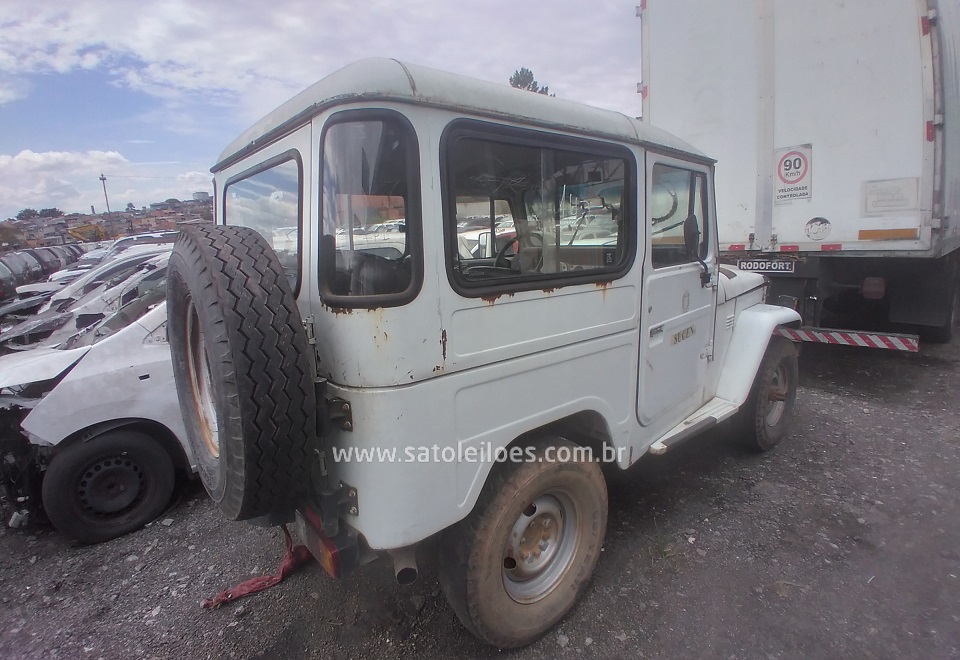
(214, 68)
(249, 60)
(71, 181)
(12, 89)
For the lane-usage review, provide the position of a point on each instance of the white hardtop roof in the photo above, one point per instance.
(381, 79)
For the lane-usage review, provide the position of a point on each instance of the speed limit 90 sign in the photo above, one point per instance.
(793, 173)
(793, 167)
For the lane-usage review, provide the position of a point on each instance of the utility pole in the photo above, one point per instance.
(103, 180)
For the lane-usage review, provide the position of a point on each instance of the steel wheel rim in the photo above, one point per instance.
(110, 486)
(776, 396)
(201, 383)
(541, 547)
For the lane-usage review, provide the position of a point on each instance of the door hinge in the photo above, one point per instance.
(341, 413)
(311, 332)
(938, 119)
(707, 353)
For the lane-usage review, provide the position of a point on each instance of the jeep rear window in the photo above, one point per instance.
(526, 210)
(268, 199)
(370, 208)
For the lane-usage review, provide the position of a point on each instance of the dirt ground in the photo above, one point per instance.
(843, 542)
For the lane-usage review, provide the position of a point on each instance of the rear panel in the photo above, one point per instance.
(827, 150)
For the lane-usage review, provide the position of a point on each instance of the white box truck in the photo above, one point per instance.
(836, 128)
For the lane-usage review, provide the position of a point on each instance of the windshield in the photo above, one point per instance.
(147, 299)
(115, 270)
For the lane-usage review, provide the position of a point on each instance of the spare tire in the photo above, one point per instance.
(240, 361)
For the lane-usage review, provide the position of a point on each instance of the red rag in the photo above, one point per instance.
(294, 557)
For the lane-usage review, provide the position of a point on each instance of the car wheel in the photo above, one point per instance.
(110, 485)
(519, 562)
(240, 361)
(764, 418)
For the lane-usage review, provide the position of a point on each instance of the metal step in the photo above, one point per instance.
(714, 411)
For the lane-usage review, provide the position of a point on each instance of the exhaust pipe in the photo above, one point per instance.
(405, 564)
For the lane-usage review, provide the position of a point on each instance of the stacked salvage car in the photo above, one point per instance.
(90, 429)
(24, 267)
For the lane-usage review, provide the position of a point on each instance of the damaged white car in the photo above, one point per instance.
(91, 430)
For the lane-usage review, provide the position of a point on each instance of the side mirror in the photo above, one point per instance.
(691, 237)
(485, 245)
(691, 241)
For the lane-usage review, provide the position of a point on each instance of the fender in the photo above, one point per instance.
(751, 335)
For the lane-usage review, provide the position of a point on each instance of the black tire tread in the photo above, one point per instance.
(247, 308)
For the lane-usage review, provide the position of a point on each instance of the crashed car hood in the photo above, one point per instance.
(22, 304)
(48, 321)
(37, 365)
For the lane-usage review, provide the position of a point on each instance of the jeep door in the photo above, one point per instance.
(679, 294)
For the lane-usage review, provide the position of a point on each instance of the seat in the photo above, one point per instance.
(373, 276)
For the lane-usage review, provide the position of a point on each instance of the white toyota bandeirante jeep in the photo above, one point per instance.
(434, 305)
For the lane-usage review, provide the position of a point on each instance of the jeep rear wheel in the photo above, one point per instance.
(240, 363)
(519, 562)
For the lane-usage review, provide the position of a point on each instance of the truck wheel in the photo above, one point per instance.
(519, 562)
(240, 363)
(115, 483)
(765, 415)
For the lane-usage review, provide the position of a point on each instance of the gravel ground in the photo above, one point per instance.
(843, 542)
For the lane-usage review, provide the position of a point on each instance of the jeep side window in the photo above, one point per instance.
(555, 207)
(675, 195)
(269, 200)
(370, 211)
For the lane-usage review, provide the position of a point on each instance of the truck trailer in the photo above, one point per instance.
(837, 132)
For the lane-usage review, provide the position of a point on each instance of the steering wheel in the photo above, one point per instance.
(500, 261)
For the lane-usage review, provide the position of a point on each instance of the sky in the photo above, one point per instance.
(149, 94)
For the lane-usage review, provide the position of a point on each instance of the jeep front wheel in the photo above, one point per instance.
(519, 562)
(765, 416)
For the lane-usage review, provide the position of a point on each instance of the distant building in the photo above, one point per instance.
(167, 215)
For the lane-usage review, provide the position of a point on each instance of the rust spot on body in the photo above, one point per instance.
(443, 343)
(603, 289)
(338, 310)
(492, 299)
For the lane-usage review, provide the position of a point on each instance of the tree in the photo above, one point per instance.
(523, 79)
(27, 214)
(9, 235)
(51, 213)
